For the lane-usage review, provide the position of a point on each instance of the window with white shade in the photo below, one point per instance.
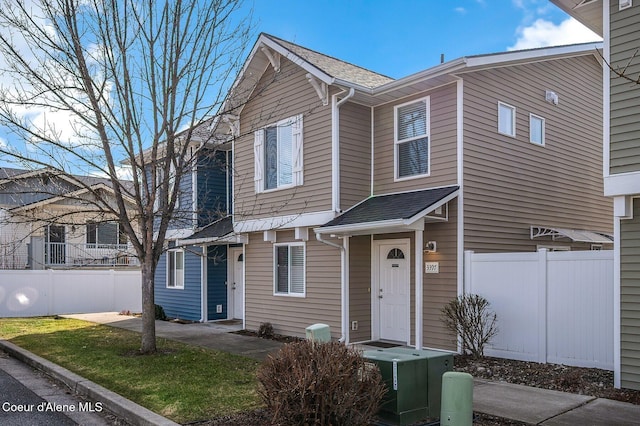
(289, 269)
(536, 129)
(506, 119)
(278, 155)
(175, 269)
(412, 139)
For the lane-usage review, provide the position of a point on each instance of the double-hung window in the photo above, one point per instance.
(289, 269)
(412, 139)
(506, 119)
(175, 269)
(278, 155)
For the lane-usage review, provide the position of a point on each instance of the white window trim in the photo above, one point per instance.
(171, 253)
(513, 119)
(531, 118)
(297, 152)
(397, 143)
(275, 270)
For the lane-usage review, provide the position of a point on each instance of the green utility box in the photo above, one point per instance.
(414, 382)
(318, 333)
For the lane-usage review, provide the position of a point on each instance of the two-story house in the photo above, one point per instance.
(357, 194)
(618, 22)
(50, 219)
(194, 277)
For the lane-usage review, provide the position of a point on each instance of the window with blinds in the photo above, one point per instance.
(289, 268)
(412, 139)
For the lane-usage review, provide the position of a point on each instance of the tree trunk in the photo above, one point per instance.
(148, 308)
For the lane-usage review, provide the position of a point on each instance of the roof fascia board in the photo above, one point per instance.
(438, 70)
(226, 239)
(363, 226)
(532, 55)
(488, 61)
(428, 209)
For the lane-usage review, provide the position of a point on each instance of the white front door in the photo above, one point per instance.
(393, 290)
(237, 282)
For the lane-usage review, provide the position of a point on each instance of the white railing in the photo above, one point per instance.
(68, 254)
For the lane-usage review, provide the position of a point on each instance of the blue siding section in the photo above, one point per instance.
(183, 213)
(217, 281)
(181, 303)
(212, 187)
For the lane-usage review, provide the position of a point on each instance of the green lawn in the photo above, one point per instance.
(182, 382)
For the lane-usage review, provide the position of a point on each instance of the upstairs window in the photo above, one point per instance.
(412, 139)
(506, 119)
(536, 129)
(289, 269)
(278, 155)
(175, 269)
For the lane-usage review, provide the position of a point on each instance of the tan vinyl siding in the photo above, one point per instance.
(280, 96)
(630, 300)
(439, 289)
(360, 287)
(510, 183)
(625, 95)
(355, 154)
(443, 143)
(291, 315)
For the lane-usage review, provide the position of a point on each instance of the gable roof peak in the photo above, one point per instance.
(328, 65)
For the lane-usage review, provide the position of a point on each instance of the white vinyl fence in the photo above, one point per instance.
(552, 306)
(54, 292)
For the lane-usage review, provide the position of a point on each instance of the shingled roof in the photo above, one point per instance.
(212, 231)
(335, 67)
(392, 207)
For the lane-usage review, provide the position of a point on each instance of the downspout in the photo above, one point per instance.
(335, 148)
(343, 283)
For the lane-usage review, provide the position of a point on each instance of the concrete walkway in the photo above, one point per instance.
(521, 403)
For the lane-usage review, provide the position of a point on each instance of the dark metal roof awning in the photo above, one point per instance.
(219, 231)
(576, 235)
(390, 213)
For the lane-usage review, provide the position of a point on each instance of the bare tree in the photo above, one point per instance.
(88, 84)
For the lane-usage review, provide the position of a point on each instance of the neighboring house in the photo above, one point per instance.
(356, 195)
(618, 22)
(50, 220)
(193, 275)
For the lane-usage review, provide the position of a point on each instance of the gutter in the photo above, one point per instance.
(344, 284)
(335, 147)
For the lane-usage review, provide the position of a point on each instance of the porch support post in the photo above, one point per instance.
(419, 243)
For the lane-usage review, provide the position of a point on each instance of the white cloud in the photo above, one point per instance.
(544, 33)
(460, 10)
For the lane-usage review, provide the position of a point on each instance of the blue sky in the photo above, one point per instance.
(401, 37)
(393, 37)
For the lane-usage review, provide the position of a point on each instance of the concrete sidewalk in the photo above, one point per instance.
(515, 402)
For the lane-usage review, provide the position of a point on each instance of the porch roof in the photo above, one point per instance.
(218, 231)
(391, 212)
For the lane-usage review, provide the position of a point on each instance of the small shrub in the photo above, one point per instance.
(266, 330)
(320, 384)
(470, 318)
(160, 315)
